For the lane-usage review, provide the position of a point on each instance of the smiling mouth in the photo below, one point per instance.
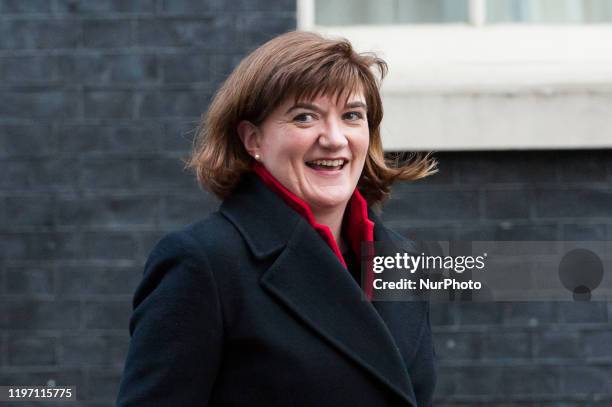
(326, 165)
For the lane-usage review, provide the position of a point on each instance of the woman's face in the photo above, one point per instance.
(317, 148)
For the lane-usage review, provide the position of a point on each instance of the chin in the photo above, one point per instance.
(327, 202)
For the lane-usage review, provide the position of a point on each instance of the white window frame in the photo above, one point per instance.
(475, 58)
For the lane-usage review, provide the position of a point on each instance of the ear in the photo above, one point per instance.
(250, 136)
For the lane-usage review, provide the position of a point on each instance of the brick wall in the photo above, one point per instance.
(97, 106)
(516, 353)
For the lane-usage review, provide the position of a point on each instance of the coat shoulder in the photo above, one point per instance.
(197, 241)
(205, 246)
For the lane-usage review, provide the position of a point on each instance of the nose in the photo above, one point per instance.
(332, 135)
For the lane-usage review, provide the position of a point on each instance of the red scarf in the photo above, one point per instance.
(357, 227)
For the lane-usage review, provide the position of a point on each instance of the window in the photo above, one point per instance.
(358, 12)
(549, 11)
(483, 74)
(347, 12)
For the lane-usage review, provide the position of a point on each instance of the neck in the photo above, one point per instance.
(332, 218)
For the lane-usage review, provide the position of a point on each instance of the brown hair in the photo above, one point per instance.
(306, 65)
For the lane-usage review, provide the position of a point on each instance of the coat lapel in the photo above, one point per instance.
(308, 278)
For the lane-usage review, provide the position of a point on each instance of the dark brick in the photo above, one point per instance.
(39, 34)
(575, 203)
(496, 384)
(69, 245)
(530, 379)
(433, 233)
(479, 313)
(107, 246)
(29, 211)
(179, 135)
(32, 350)
(586, 380)
(211, 32)
(507, 204)
(116, 212)
(14, 246)
(42, 376)
(104, 384)
(29, 280)
(583, 312)
(471, 380)
(191, 6)
(164, 173)
(477, 231)
(29, 69)
(558, 345)
(101, 68)
(107, 33)
(222, 65)
(89, 280)
(104, 6)
(138, 138)
(443, 314)
(93, 350)
(419, 205)
(182, 209)
(598, 344)
(14, 174)
(33, 104)
(109, 104)
(3, 349)
(40, 314)
(529, 313)
(282, 6)
(51, 173)
(522, 232)
(174, 103)
(20, 6)
(591, 168)
(26, 140)
(506, 345)
(187, 67)
(446, 382)
(459, 345)
(107, 314)
(255, 29)
(84, 350)
(107, 173)
(506, 167)
(586, 232)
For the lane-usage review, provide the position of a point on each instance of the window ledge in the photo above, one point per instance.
(441, 58)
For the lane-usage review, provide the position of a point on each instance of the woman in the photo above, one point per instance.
(260, 303)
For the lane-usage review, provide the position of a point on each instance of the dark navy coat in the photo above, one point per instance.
(251, 307)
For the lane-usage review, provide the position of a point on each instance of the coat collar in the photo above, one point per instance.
(307, 277)
(356, 225)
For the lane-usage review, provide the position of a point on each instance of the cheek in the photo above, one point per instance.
(298, 143)
(288, 145)
(362, 143)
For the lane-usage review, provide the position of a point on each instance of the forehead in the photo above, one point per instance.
(337, 98)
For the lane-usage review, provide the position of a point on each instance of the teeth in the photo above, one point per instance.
(328, 163)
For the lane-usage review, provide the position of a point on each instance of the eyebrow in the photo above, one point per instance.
(351, 105)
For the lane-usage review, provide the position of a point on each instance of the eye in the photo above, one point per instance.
(304, 118)
(352, 116)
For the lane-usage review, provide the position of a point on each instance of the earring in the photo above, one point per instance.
(257, 157)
